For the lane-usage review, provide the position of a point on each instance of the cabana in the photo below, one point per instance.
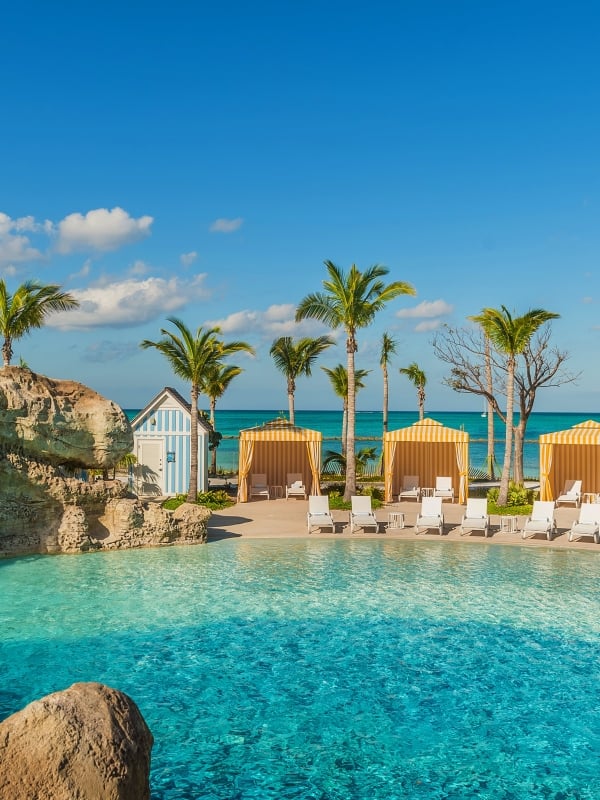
(276, 449)
(573, 454)
(427, 449)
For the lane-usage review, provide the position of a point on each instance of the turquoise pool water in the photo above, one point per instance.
(328, 670)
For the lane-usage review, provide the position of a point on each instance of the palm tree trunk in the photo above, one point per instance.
(385, 399)
(291, 407)
(421, 404)
(505, 477)
(7, 352)
(193, 487)
(345, 426)
(213, 464)
(491, 456)
(519, 434)
(350, 488)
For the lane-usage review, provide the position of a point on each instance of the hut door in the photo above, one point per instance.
(150, 468)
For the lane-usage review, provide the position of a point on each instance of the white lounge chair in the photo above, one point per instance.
(295, 485)
(541, 520)
(410, 488)
(258, 485)
(588, 523)
(319, 515)
(431, 515)
(444, 488)
(476, 517)
(361, 514)
(571, 493)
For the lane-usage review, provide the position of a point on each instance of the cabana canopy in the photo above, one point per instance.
(426, 449)
(573, 454)
(277, 448)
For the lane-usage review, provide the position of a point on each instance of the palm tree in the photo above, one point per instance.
(215, 383)
(296, 358)
(191, 356)
(350, 301)
(338, 376)
(28, 308)
(418, 378)
(510, 336)
(388, 349)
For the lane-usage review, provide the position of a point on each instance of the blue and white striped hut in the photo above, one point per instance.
(161, 445)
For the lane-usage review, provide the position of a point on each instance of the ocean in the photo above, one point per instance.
(369, 428)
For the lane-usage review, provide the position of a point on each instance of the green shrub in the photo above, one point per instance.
(519, 501)
(214, 499)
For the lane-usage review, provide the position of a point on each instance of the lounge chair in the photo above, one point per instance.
(541, 519)
(588, 523)
(295, 485)
(431, 515)
(476, 517)
(319, 515)
(258, 485)
(571, 493)
(361, 514)
(444, 488)
(411, 489)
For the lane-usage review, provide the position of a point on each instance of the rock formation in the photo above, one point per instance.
(88, 742)
(49, 430)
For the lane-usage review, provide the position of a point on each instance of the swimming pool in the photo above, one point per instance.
(354, 670)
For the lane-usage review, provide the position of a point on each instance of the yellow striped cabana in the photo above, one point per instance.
(276, 448)
(426, 449)
(573, 454)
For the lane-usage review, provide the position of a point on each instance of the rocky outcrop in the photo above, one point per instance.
(88, 742)
(61, 422)
(50, 431)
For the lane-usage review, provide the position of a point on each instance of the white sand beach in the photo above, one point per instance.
(282, 518)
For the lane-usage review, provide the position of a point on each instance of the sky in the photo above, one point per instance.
(202, 160)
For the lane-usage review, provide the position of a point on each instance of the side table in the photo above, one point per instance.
(395, 519)
(509, 524)
(275, 492)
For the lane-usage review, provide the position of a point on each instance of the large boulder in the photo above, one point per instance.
(61, 422)
(88, 742)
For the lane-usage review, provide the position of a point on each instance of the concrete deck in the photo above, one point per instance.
(282, 518)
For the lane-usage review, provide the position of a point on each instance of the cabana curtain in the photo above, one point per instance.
(573, 454)
(427, 449)
(276, 449)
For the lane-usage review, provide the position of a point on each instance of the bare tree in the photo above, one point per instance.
(540, 365)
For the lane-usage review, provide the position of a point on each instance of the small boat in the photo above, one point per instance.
(485, 409)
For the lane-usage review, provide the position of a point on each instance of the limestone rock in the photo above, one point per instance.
(48, 429)
(88, 742)
(61, 422)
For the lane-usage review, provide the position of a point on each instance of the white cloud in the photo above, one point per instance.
(100, 229)
(14, 246)
(139, 267)
(223, 225)
(84, 271)
(428, 325)
(426, 310)
(124, 304)
(187, 259)
(277, 320)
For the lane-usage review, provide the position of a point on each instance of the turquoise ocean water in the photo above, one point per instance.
(369, 424)
(324, 670)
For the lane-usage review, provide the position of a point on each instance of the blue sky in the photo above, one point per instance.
(202, 160)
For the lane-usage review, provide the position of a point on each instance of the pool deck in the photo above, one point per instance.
(269, 519)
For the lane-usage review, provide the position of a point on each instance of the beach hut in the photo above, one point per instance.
(427, 449)
(276, 449)
(573, 454)
(161, 441)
